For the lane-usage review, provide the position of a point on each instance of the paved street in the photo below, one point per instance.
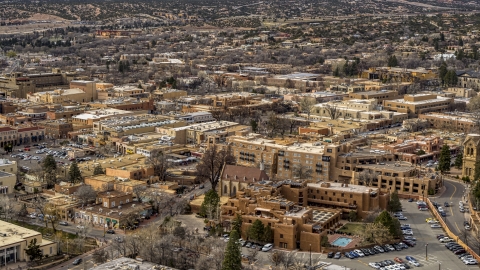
(453, 194)
(439, 257)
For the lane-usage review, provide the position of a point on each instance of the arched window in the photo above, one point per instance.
(225, 189)
(234, 191)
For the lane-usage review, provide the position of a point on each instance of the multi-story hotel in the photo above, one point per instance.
(414, 105)
(295, 210)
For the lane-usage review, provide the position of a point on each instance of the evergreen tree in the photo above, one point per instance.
(233, 255)
(386, 220)
(49, 167)
(256, 231)
(442, 37)
(476, 174)
(460, 42)
(33, 251)
(394, 204)
(74, 174)
(98, 170)
(210, 204)
(392, 61)
(459, 160)
(444, 160)
(442, 71)
(237, 223)
(268, 235)
(336, 72)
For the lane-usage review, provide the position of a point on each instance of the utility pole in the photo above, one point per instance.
(426, 252)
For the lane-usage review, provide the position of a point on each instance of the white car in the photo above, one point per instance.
(374, 265)
(471, 262)
(360, 253)
(440, 209)
(80, 227)
(436, 226)
(267, 247)
(421, 202)
(433, 221)
(446, 240)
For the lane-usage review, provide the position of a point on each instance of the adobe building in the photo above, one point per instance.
(471, 153)
(236, 178)
(413, 105)
(293, 226)
(403, 177)
(457, 121)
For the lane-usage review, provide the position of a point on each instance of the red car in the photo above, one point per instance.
(398, 260)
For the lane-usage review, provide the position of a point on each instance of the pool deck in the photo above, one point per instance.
(355, 240)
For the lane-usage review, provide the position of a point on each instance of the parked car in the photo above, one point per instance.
(63, 223)
(436, 226)
(330, 255)
(267, 247)
(446, 240)
(110, 231)
(402, 218)
(77, 261)
(338, 255)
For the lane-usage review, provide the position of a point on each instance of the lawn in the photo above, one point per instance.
(352, 228)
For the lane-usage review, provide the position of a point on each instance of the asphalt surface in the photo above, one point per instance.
(438, 257)
(453, 195)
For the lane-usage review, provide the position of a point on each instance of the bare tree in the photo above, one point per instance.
(139, 191)
(211, 165)
(366, 177)
(7, 205)
(332, 110)
(276, 257)
(85, 194)
(288, 260)
(100, 256)
(302, 172)
(273, 124)
(306, 106)
(158, 159)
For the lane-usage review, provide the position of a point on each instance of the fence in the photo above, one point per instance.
(450, 233)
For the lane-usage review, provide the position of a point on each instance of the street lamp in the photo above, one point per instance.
(310, 255)
(426, 252)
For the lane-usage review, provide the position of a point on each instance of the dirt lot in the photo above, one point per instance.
(191, 222)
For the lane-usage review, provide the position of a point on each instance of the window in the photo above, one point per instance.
(329, 150)
(113, 204)
(281, 235)
(105, 204)
(50, 250)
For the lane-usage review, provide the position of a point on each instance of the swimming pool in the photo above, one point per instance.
(342, 241)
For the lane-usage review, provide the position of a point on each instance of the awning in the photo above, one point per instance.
(114, 221)
(107, 219)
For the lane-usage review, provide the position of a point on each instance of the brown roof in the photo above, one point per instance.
(245, 174)
(28, 129)
(6, 129)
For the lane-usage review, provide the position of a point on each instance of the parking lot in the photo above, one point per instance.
(434, 256)
(31, 159)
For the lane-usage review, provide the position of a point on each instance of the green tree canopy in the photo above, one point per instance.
(233, 255)
(386, 220)
(98, 170)
(210, 204)
(33, 250)
(268, 235)
(74, 174)
(237, 223)
(394, 204)
(476, 174)
(392, 61)
(444, 159)
(256, 231)
(459, 160)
